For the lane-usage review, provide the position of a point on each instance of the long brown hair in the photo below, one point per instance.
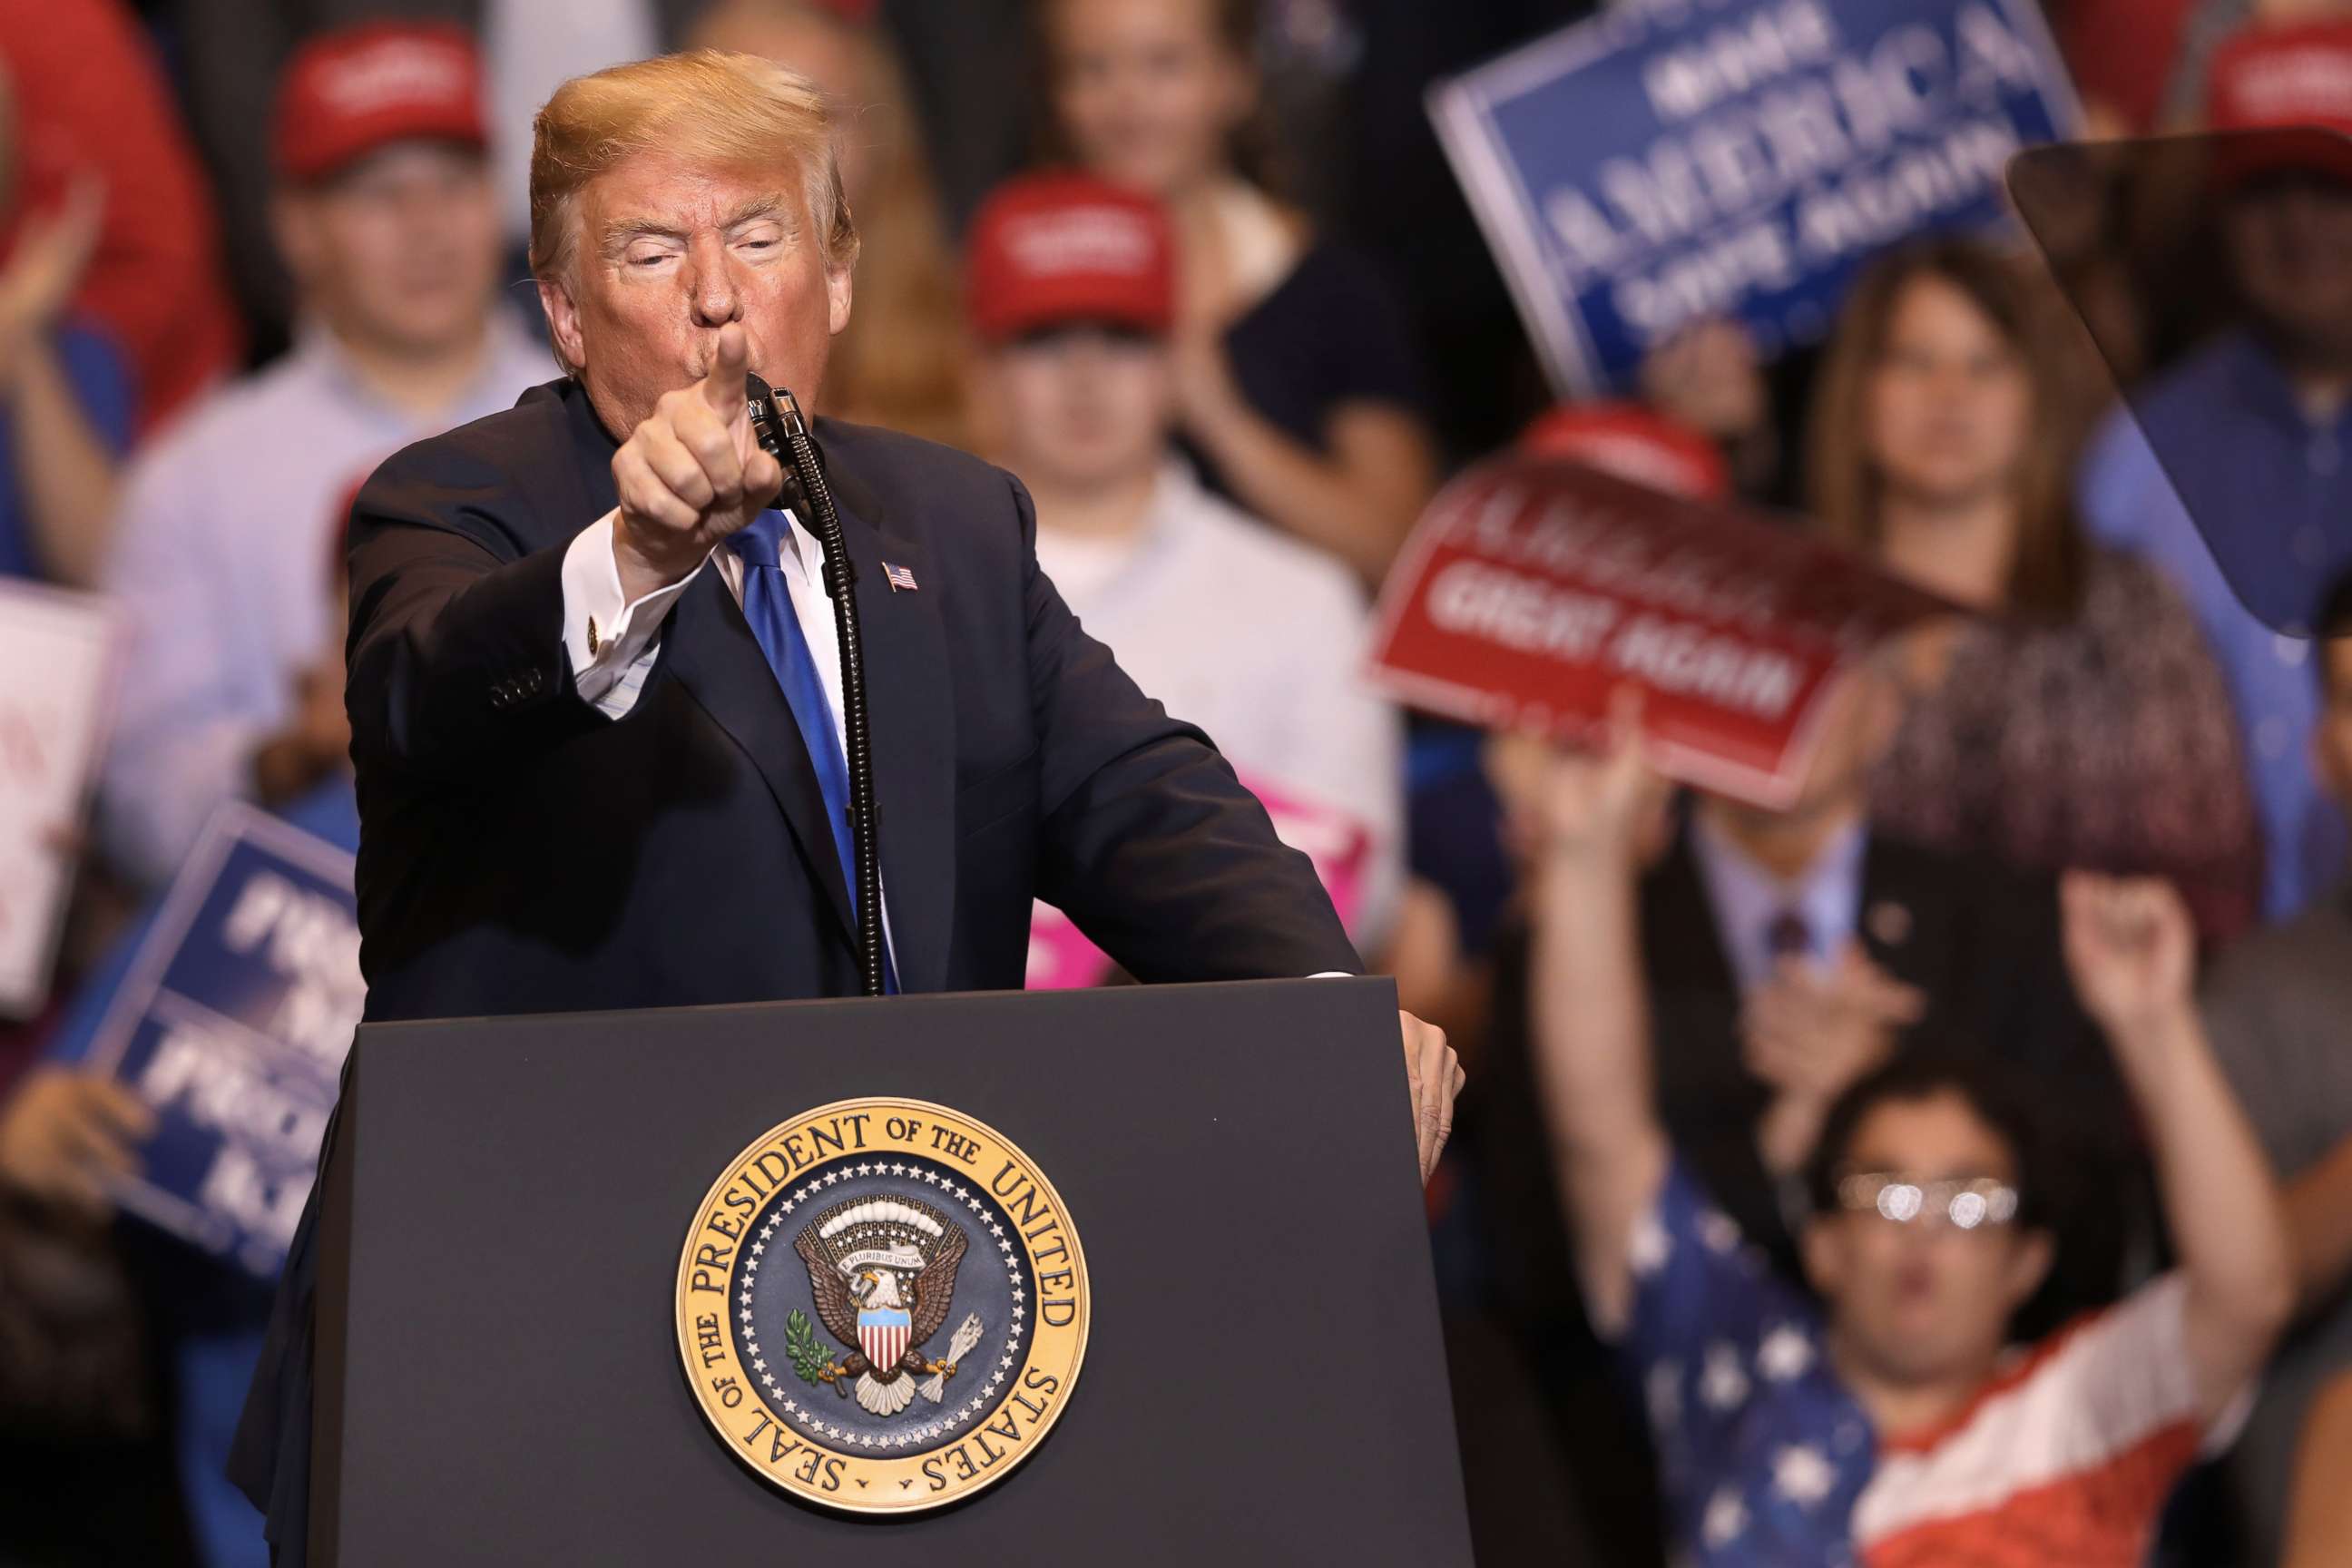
(1843, 486)
(904, 360)
(1255, 146)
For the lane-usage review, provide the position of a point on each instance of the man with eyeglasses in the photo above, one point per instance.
(1891, 1423)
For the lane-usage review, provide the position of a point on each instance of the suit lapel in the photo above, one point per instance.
(912, 717)
(1694, 958)
(1894, 907)
(708, 649)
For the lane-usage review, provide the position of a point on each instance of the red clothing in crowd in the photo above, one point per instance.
(89, 94)
(2122, 53)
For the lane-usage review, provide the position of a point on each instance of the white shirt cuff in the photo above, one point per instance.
(603, 636)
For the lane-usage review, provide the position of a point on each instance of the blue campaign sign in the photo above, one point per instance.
(232, 1022)
(1672, 159)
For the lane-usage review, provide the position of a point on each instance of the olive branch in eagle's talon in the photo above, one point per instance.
(813, 1360)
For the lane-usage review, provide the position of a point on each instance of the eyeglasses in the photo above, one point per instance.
(1968, 1205)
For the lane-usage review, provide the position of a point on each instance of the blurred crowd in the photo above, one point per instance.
(1970, 1137)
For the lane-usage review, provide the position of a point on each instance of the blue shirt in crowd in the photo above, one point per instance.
(214, 1360)
(2266, 528)
(102, 386)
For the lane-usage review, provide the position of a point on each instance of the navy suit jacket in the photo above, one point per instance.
(520, 852)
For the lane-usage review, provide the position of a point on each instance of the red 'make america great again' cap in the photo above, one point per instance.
(1047, 250)
(346, 93)
(2286, 90)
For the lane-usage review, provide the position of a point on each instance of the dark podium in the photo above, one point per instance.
(499, 1363)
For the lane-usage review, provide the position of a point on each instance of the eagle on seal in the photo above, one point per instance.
(883, 1273)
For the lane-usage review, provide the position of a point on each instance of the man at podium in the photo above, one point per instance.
(595, 695)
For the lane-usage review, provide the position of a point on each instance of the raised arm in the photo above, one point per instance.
(455, 648)
(464, 641)
(1589, 1017)
(2132, 951)
(66, 452)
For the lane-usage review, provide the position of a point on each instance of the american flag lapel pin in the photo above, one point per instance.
(898, 577)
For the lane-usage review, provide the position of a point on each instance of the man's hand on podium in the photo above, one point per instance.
(1437, 1076)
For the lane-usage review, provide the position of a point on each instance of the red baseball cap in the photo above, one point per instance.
(2281, 98)
(348, 92)
(1049, 249)
(1631, 442)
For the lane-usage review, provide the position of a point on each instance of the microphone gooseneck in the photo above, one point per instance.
(783, 435)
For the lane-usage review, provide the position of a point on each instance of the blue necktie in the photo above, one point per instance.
(768, 607)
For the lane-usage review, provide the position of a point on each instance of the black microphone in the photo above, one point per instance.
(783, 435)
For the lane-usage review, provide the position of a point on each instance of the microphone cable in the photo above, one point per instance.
(783, 435)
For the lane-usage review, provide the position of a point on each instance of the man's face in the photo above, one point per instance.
(2331, 742)
(400, 252)
(666, 255)
(1922, 1301)
(2289, 239)
(1083, 406)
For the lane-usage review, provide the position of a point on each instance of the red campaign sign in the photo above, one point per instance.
(1533, 587)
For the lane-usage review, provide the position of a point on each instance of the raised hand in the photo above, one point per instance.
(2133, 954)
(1710, 377)
(67, 1134)
(1811, 1034)
(690, 474)
(51, 255)
(1597, 802)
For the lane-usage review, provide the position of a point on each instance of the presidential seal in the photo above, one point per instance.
(882, 1306)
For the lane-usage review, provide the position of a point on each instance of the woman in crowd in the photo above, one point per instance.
(2082, 720)
(903, 361)
(1297, 384)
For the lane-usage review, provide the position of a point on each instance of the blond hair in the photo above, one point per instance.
(728, 110)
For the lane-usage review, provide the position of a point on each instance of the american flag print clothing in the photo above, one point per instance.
(1761, 1451)
(2066, 1455)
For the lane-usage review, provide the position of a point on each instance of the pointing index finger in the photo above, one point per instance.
(723, 389)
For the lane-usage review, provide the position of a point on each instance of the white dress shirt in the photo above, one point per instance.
(1747, 899)
(612, 674)
(611, 677)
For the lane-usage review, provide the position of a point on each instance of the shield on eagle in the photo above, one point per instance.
(882, 1334)
(883, 1271)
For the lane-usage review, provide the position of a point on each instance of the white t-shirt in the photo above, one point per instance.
(1260, 640)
